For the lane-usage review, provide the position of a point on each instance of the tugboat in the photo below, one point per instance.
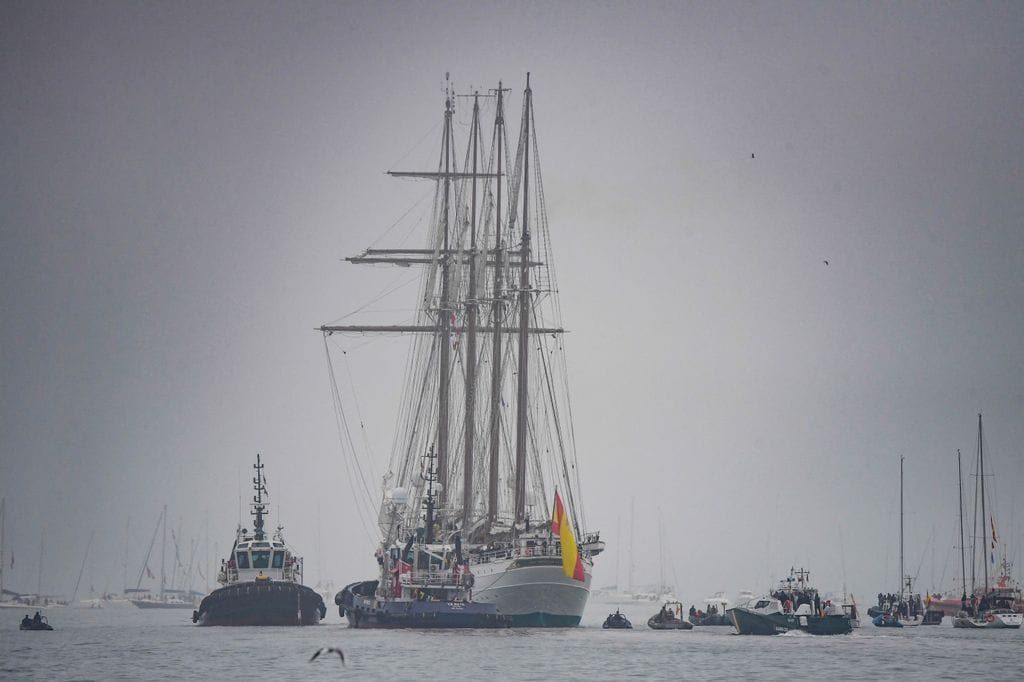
(262, 578)
(617, 621)
(669, 618)
(425, 584)
(795, 605)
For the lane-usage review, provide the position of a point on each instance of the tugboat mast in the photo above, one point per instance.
(259, 508)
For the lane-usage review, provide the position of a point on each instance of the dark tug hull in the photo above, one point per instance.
(358, 604)
(261, 603)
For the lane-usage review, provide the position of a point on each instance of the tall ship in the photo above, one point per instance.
(992, 604)
(262, 578)
(485, 388)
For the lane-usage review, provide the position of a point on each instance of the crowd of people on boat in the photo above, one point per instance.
(911, 607)
(697, 613)
(792, 601)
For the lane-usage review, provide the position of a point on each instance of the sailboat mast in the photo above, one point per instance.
(984, 516)
(471, 314)
(960, 487)
(524, 319)
(3, 519)
(444, 315)
(497, 312)
(163, 554)
(81, 570)
(901, 529)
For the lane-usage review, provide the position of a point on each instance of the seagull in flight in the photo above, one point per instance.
(328, 650)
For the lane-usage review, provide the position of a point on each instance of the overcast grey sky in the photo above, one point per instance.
(179, 182)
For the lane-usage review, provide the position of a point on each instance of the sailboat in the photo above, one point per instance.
(992, 606)
(8, 599)
(906, 608)
(485, 388)
(165, 597)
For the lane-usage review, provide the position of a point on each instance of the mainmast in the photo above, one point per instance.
(471, 315)
(444, 314)
(497, 314)
(524, 319)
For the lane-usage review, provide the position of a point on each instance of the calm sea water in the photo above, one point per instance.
(126, 643)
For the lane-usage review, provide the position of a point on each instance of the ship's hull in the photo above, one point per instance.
(261, 603)
(533, 591)
(748, 622)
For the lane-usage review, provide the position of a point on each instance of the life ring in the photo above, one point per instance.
(989, 617)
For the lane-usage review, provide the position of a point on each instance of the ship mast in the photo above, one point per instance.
(259, 508)
(497, 313)
(901, 536)
(984, 516)
(471, 315)
(963, 564)
(524, 319)
(444, 315)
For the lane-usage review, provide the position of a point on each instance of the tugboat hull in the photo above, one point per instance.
(261, 603)
(367, 611)
(749, 623)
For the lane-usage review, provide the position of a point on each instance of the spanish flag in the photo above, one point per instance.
(571, 562)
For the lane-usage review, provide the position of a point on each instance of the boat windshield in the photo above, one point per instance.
(243, 559)
(260, 559)
(278, 559)
(761, 604)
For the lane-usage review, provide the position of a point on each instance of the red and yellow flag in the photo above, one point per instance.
(571, 562)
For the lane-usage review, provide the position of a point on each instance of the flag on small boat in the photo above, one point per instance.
(571, 562)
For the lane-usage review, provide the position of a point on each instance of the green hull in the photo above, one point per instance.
(750, 623)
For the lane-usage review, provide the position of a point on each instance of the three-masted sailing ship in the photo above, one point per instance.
(486, 411)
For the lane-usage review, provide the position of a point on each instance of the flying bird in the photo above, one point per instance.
(825, 262)
(328, 650)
